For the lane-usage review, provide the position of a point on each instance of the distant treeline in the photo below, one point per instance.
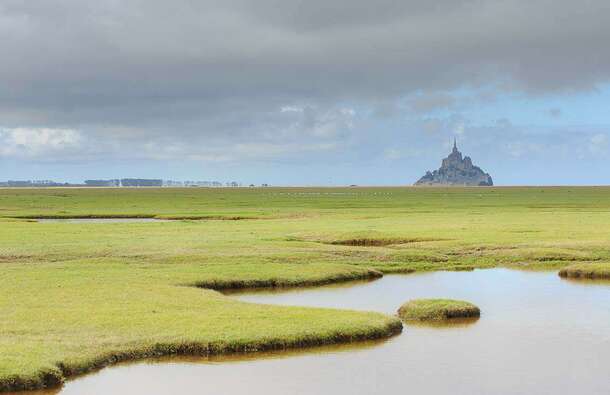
(143, 182)
(123, 182)
(34, 183)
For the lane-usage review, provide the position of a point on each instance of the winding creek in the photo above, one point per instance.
(538, 334)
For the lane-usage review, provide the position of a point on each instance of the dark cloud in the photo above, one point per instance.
(196, 77)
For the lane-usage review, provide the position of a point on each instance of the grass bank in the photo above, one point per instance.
(596, 270)
(69, 318)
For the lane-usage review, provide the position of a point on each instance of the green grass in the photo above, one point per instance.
(76, 296)
(437, 310)
(64, 318)
(597, 270)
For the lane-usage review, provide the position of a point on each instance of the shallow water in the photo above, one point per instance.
(538, 334)
(100, 220)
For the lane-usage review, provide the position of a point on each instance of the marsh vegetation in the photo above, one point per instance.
(77, 296)
(472, 354)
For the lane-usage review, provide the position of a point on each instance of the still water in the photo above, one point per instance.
(538, 334)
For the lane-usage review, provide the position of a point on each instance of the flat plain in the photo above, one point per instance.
(78, 296)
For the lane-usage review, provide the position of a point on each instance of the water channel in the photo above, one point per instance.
(538, 334)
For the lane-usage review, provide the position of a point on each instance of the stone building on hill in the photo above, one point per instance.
(457, 171)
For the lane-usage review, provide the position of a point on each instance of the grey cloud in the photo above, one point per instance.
(448, 125)
(220, 72)
(424, 103)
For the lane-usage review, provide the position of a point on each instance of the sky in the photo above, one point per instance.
(316, 92)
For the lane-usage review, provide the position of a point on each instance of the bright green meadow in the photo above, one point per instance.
(78, 296)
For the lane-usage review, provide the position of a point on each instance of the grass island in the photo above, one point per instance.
(437, 310)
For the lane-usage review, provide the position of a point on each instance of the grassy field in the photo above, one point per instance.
(76, 296)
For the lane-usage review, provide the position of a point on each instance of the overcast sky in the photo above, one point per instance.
(324, 92)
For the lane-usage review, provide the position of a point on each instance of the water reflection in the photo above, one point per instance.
(588, 282)
(445, 324)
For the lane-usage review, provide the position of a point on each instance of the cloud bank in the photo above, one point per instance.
(239, 80)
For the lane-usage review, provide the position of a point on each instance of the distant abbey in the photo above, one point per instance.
(457, 171)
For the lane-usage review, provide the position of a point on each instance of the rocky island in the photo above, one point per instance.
(458, 171)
